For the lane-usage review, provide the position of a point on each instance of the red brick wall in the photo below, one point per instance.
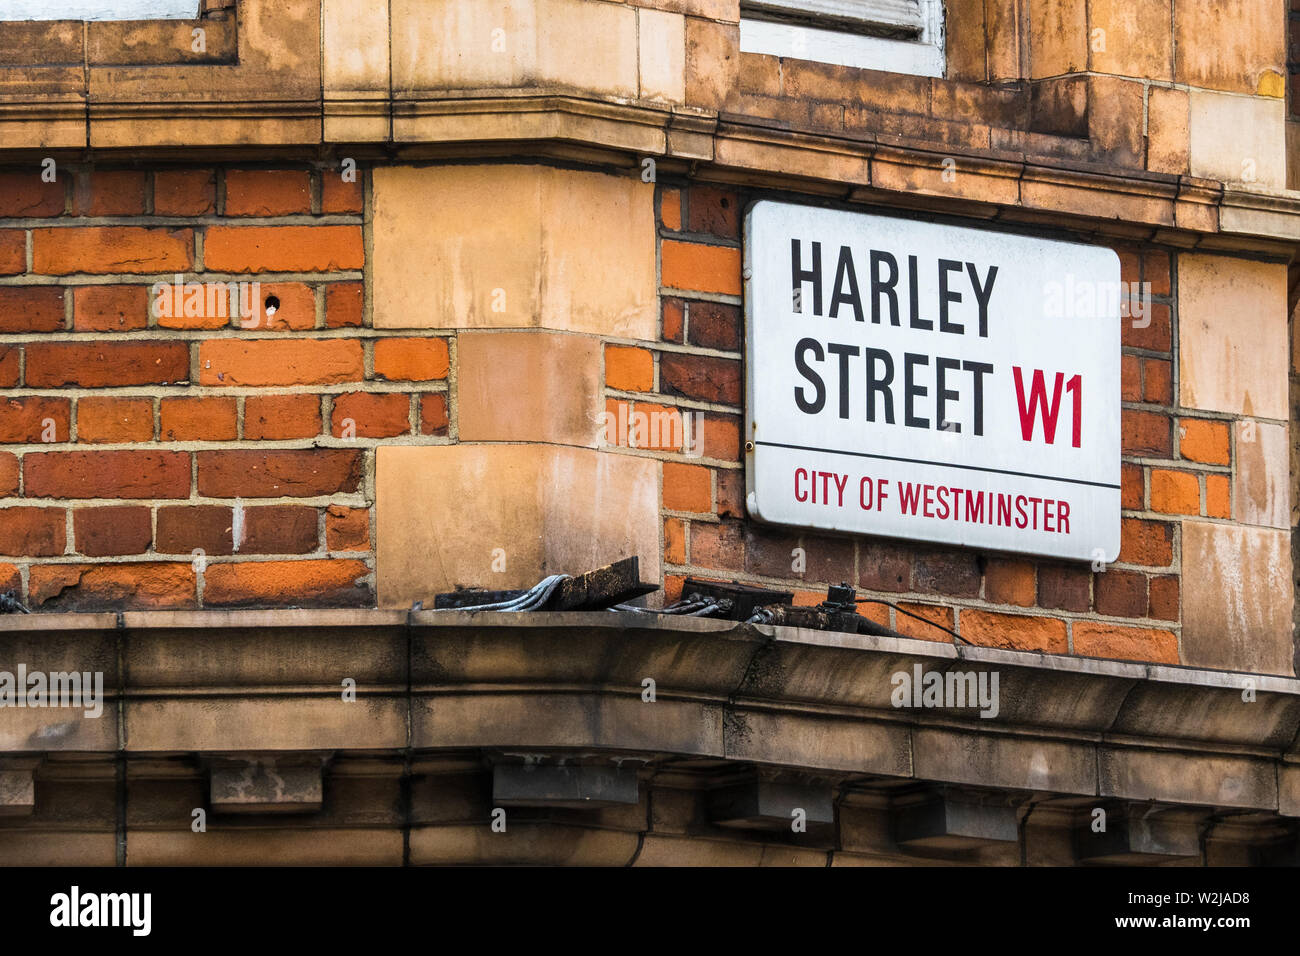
(172, 462)
(1172, 467)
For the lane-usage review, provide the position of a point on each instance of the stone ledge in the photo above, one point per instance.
(270, 682)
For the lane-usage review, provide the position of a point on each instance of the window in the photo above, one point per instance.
(99, 10)
(900, 36)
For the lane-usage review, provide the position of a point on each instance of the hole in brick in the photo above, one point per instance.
(272, 305)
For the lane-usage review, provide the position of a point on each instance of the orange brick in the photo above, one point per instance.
(343, 305)
(1116, 642)
(9, 370)
(114, 420)
(279, 362)
(184, 192)
(652, 427)
(629, 369)
(299, 583)
(27, 195)
(32, 532)
(921, 630)
(37, 308)
(1164, 603)
(101, 587)
(294, 305)
(1218, 496)
(1175, 492)
(1156, 271)
(1132, 490)
(347, 529)
(721, 437)
(687, 488)
(8, 474)
(31, 419)
(277, 417)
(13, 252)
(1014, 631)
(1157, 381)
(205, 305)
(267, 192)
(674, 319)
(411, 360)
(106, 249)
(1151, 331)
(701, 268)
(338, 196)
(433, 414)
(283, 248)
(1150, 543)
(1010, 582)
(670, 209)
(674, 541)
(197, 419)
(370, 415)
(1204, 441)
(110, 308)
(110, 193)
(1130, 377)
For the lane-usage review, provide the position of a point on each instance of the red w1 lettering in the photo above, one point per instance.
(1038, 401)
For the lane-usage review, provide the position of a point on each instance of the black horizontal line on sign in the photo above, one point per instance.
(937, 464)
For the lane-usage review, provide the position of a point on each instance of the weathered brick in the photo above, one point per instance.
(1146, 433)
(1149, 543)
(277, 583)
(1013, 631)
(1157, 381)
(731, 493)
(952, 573)
(106, 364)
(687, 488)
(109, 249)
(713, 325)
(1151, 331)
(283, 248)
(110, 308)
(922, 631)
(13, 252)
(33, 308)
(370, 415)
(629, 369)
(102, 420)
(279, 361)
(30, 419)
(1121, 593)
(1175, 492)
(1116, 642)
(267, 192)
(32, 532)
(1010, 582)
(24, 195)
(433, 414)
(197, 419)
(1218, 496)
(184, 192)
(674, 319)
(347, 529)
(10, 370)
(284, 305)
(106, 474)
(883, 566)
(344, 302)
(411, 360)
(1063, 587)
(1204, 441)
(8, 474)
(1132, 488)
(277, 417)
(721, 436)
(700, 268)
(1164, 597)
(108, 587)
(719, 546)
(280, 473)
(703, 377)
(119, 192)
(338, 196)
(113, 530)
(771, 552)
(674, 541)
(714, 211)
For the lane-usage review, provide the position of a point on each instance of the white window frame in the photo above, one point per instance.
(99, 9)
(897, 36)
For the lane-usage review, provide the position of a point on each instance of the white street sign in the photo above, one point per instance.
(932, 382)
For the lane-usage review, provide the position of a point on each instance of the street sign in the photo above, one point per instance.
(932, 382)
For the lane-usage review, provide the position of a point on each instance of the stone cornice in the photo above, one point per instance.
(879, 169)
(270, 681)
